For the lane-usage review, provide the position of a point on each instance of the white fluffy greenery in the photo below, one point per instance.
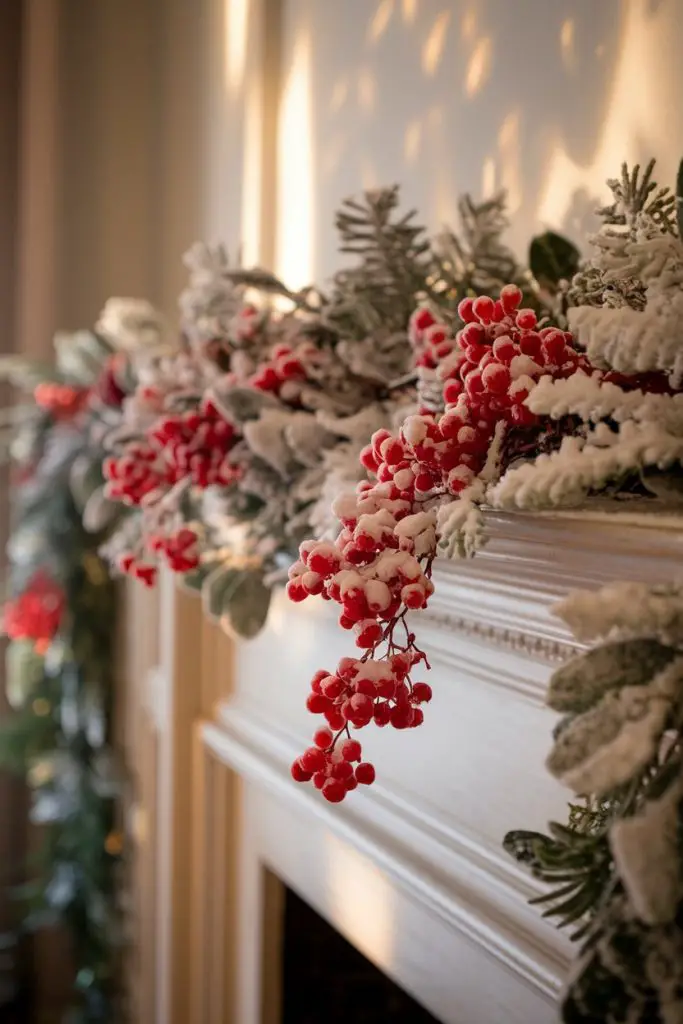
(637, 340)
(585, 465)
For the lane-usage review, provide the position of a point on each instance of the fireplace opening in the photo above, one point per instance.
(325, 978)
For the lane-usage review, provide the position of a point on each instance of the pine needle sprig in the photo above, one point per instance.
(633, 194)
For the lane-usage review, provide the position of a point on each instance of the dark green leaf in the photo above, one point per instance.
(552, 258)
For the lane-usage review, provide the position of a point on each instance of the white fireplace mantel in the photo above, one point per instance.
(412, 871)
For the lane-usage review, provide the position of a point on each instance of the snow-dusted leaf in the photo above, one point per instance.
(583, 680)
(85, 477)
(240, 405)
(81, 355)
(99, 512)
(246, 606)
(607, 745)
(307, 438)
(266, 438)
(647, 854)
(625, 609)
(23, 671)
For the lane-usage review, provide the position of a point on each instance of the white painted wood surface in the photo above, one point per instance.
(411, 870)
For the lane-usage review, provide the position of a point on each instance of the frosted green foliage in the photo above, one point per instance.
(210, 302)
(379, 292)
(583, 680)
(629, 298)
(648, 855)
(611, 278)
(586, 465)
(461, 527)
(593, 399)
(477, 260)
(629, 973)
(625, 610)
(615, 739)
(633, 194)
(645, 339)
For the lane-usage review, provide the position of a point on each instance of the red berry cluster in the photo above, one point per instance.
(62, 401)
(379, 567)
(283, 365)
(180, 549)
(192, 446)
(139, 471)
(359, 692)
(37, 613)
(196, 445)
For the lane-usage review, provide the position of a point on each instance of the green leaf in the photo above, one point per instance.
(246, 608)
(552, 258)
(217, 588)
(24, 671)
(85, 478)
(193, 582)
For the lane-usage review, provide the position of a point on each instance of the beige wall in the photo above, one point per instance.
(444, 96)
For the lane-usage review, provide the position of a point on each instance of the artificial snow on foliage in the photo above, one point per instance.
(351, 435)
(626, 610)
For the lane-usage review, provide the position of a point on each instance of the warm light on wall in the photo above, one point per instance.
(488, 178)
(510, 161)
(366, 90)
(361, 902)
(236, 22)
(468, 25)
(478, 67)
(295, 228)
(409, 9)
(252, 173)
(432, 51)
(411, 141)
(340, 94)
(380, 20)
(637, 116)
(567, 44)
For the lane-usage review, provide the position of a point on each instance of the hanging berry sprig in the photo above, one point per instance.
(379, 567)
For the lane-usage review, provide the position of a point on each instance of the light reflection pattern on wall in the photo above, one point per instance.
(236, 20)
(295, 227)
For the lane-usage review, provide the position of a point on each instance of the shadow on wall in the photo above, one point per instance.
(544, 99)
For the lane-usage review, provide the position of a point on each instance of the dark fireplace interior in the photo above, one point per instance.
(325, 978)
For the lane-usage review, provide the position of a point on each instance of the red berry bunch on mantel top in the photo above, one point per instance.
(192, 447)
(379, 567)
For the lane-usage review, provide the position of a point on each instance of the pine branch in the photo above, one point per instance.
(633, 195)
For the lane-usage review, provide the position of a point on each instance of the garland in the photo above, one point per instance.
(464, 382)
(59, 618)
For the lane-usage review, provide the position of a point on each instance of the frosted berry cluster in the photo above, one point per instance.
(359, 692)
(192, 447)
(379, 567)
